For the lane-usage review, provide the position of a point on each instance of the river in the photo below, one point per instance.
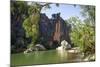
(44, 57)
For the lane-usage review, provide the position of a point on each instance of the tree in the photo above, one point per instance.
(31, 24)
(31, 27)
(82, 35)
(88, 12)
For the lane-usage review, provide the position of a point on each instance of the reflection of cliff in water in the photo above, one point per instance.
(53, 30)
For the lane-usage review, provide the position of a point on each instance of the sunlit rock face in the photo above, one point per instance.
(53, 30)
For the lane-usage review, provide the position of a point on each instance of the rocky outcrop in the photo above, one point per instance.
(37, 47)
(46, 31)
(65, 45)
(18, 38)
(28, 51)
(53, 31)
(17, 33)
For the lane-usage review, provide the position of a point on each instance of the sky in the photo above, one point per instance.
(66, 10)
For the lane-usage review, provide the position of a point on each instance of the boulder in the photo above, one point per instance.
(28, 51)
(39, 47)
(60, 48)
(65, 45)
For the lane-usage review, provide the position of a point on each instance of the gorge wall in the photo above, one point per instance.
(53, 30)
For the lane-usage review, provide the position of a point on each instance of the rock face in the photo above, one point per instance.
(46, 31)
(53, 31)
(17, 33)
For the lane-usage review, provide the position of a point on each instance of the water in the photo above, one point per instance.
(44, 57)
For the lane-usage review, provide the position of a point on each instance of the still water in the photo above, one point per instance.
(44, 57)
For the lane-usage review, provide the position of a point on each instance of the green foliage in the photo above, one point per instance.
(19, 7)
(89, 13)
(31, 27)
(82, 35)
(83, 32)
(34, 8)
(31, 24)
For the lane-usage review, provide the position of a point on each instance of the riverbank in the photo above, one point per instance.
(90, 57)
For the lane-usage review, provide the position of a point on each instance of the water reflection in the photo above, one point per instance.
(44, 57)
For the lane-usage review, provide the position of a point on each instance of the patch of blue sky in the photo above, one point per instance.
(66, 10)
